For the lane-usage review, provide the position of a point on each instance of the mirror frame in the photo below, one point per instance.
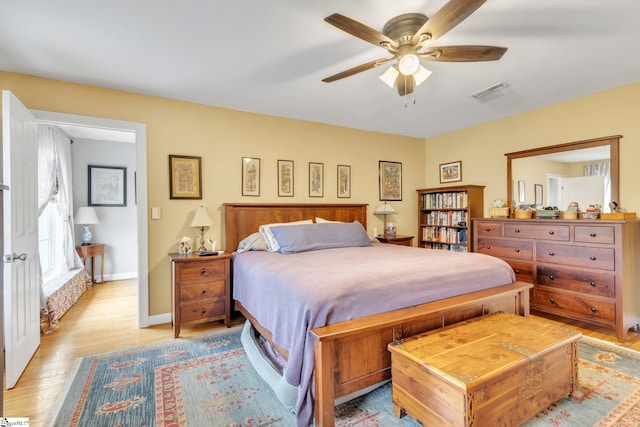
(614, 150)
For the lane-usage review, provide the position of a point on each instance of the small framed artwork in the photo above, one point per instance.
(107, 186)
(185, 177)
(250, 176)
(451, 172)
(285, 178)
(390, 180)
(538, 194)
(344, 181)
(316, 179)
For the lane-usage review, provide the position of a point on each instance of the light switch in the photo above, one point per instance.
(155, 213)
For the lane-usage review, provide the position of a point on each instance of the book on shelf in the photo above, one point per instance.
(452, 200)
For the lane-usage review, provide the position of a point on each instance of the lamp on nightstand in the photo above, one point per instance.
(86, 216)
(201, 220)
(385, 210)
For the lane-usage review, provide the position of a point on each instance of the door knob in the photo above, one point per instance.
(15, 257)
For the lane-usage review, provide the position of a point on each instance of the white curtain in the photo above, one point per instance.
(601, 169)
(54, 173)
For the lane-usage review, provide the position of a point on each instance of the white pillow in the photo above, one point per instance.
(272, 243)
(254, 242)
(322, 220)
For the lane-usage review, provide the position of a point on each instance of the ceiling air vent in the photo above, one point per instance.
(492, 92)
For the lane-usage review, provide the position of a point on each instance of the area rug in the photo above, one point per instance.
(208, 381)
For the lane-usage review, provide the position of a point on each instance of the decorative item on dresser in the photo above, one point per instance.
(200, 288)
(583, 270)
(444, 216)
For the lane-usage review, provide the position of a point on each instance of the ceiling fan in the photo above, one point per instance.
(408, 38)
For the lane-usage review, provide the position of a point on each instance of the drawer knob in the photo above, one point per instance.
(517, 250)
(203, 311)
(204, 291)
(488, 247)
(552, 232)
(592, 258)
(592, 234)
(203, 271)
(517, 230)
(517, 271)
(487, 229)
(552, 277)
(551, 254)
(593, 309)
(552, 301)
(592, 283)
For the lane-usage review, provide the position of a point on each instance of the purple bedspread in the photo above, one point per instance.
(292, 294)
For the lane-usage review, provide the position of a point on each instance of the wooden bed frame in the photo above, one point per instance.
(353, 355)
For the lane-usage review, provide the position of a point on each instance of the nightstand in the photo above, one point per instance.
(398, 240)
(91, 251)
(200, 289)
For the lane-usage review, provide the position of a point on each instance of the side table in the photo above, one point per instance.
(90, 251)
(397, 240)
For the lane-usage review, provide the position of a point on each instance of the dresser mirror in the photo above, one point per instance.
(561, 172)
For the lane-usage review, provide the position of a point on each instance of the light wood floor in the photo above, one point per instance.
(103, 320)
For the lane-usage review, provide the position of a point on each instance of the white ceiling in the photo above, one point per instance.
(270, 56)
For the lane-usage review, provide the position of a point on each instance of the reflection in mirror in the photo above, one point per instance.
(585, 172)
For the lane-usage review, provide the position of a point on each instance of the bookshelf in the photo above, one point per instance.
(444, 216)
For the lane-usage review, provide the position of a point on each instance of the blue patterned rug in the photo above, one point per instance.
(208, 381)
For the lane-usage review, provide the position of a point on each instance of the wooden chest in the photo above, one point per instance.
(497, 370)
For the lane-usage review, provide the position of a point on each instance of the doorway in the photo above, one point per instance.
(139, 130)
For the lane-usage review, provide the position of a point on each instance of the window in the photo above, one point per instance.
(50, 241)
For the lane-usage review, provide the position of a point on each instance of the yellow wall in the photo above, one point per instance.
(482, 148)
(222, 137)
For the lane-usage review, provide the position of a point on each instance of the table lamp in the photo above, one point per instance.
(86, 216)
(385, 210)
(201, 220)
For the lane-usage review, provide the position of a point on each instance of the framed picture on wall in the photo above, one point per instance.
(451, 172)
(316, 179)
(185, 177)
(390, 180)
(250, 176)
(107, 186)
(344, 181)
(285, 178)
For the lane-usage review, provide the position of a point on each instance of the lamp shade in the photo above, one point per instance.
(201, 218)
(86, 215)
(385, 209)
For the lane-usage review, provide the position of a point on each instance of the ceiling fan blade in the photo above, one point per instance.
(463, 53)
(359, 30)
(450, 15)
(356, 70)
(405, 84)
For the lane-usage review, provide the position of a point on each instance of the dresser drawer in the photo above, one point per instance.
(585, 234)
(506, 248)
(204, 311)
(576, 304)
(523, 270)
(200, 291)
(578, 256)
(201, 271)
(583, 281)
(489, 229)
(540, 231)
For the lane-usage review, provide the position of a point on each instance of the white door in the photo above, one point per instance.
(585, 190)
(20, 223)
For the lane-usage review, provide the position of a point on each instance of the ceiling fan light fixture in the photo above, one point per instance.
(389, 77)
(421, 75)
(408, 64)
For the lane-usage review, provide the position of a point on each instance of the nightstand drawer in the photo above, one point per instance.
(205, 311)
(201, 291)
(199, 271)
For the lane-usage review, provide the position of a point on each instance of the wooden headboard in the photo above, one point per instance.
(243, 219)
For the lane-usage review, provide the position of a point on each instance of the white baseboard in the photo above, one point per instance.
(159, 319)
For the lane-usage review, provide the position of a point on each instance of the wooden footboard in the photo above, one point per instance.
(352, 355)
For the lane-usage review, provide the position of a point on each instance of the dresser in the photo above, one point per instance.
(200, 289)
(582, 270)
